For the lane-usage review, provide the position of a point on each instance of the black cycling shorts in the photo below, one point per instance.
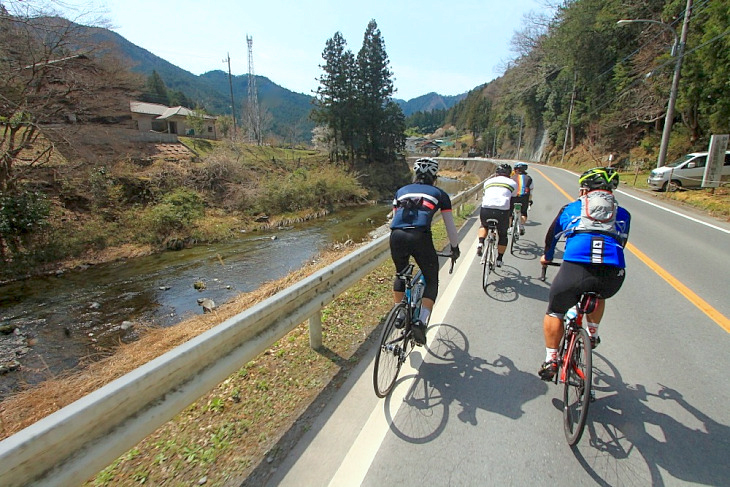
(524, 199)
(574, 279)
(419, 244)
(502, 216)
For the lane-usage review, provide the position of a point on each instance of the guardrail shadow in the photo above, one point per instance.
(331, 395)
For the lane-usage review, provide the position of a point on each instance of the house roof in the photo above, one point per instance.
(178, 110)
(163, 112)
(147, 108)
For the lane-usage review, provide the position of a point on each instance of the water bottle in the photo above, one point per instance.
(418, 289)
(570, 315)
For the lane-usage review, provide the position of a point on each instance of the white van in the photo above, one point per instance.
(685, 172)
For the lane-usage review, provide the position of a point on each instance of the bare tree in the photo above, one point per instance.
(48, 76)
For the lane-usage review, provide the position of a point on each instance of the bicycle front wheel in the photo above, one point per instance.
(577, 386)
(392, 351)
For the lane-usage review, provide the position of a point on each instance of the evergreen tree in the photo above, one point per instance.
(374, 91)
(155, 90)
(334, 104)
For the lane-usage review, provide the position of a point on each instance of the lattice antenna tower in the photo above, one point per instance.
(254, 120)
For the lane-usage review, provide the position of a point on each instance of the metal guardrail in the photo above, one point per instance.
(71, 445)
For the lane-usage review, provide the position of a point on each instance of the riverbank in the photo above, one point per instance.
(227, 434)
(90, 212)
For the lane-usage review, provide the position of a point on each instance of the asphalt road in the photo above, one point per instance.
(470, 410)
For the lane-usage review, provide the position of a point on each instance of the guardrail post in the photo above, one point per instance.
(315, 330)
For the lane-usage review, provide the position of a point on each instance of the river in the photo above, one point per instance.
(84, 314)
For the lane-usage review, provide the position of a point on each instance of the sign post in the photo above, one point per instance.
(715, 161)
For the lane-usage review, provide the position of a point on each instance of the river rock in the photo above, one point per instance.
(7, 329)
(207, 304)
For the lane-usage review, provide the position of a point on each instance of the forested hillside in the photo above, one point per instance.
(607, 84)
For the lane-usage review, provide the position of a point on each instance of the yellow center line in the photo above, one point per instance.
(691, 296)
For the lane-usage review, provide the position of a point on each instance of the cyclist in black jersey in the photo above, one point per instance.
(414, 206)
(523, 195)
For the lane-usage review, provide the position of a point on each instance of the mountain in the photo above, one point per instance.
(428, 102)
(285, 113)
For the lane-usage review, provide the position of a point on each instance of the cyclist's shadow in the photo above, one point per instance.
(628, 418)
(448, 376)
(510, 284)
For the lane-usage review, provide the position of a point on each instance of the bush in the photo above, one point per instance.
(305, 189)
(21, 216)
(177, 211)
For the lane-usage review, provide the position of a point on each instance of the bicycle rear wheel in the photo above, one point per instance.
(489, 258)
(577, 386)
(392, 351)
(515, 232)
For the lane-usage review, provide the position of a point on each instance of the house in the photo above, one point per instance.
(429, 147)
(412, 143)
(170, 120)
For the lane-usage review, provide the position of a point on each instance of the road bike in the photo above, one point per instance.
(516, 216)
(397, 341)
(490, 251)
(575, 365)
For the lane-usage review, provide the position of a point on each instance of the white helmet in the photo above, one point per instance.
(426, 166)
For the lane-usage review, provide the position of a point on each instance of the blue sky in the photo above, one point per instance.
(440, 46)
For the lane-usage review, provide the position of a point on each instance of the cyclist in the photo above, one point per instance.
(525, 186)
(498, 192)
(414, 206)
(593, 259)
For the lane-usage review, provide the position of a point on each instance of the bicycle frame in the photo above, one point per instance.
(575, 364)
(516, 219)
(565, 361)
(397, 339)
(489, 254)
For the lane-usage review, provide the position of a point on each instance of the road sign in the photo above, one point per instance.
(715, 161)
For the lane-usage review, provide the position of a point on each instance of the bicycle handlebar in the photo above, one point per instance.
(453, 260)
(544, 269)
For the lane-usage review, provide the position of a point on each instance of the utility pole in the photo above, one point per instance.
(675, 86)
(570, 116)
(254, 125)
(519, 139)
(230, 84)
(677, 50)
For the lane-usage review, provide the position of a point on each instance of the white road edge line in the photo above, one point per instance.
(661, 207)
(357, 462)
(674, 212)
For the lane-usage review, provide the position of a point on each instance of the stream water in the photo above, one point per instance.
(83, 314)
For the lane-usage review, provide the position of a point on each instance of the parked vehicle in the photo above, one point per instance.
(685, 172)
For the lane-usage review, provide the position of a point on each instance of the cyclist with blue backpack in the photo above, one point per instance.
(414, 206)
(596, 230)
